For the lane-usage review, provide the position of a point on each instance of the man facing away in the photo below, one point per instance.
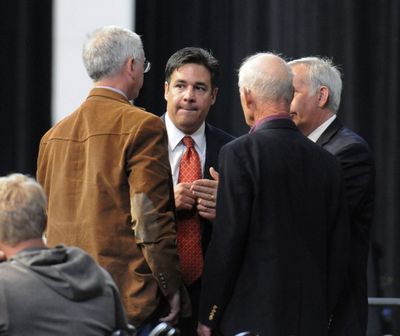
(48, 291)
(277, 259)
(105, 170)
(318, 85)
(191, 76)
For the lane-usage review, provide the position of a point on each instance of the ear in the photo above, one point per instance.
(166, 90)
(214, 93)
(130, 64)
(323, 96)
(247, 97)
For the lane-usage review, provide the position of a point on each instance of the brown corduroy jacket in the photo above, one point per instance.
(106, 173)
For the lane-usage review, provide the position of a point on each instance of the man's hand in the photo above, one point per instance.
(175, 306)
(206, 192)
(203, 330)
(184, 197)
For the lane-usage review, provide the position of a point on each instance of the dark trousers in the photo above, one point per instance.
(188, 325)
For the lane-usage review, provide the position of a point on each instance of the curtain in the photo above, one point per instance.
(362, 37)
(25, 87)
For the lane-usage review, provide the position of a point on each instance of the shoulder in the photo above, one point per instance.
(347, 143)
(216, 133)
(338, 136)
(346, 136)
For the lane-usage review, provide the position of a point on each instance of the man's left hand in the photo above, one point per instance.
(206, 194)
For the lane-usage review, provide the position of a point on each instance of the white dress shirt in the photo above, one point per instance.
(314, 135)
(176, 148)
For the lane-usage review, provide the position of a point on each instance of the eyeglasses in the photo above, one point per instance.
(146, 66)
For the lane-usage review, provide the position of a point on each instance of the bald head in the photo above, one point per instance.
(268, 76)
(265, 85)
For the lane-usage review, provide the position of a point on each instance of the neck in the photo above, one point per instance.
(272, 109)
(11, 251)
(319, 119)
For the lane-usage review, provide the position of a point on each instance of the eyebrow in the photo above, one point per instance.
(181, 81)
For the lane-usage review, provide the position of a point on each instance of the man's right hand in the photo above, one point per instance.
(184, 197)
(203, 330)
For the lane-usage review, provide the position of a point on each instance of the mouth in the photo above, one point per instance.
(187, 109)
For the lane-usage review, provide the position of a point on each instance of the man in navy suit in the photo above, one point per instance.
(191, 76)
(318, 85)
(277, 259)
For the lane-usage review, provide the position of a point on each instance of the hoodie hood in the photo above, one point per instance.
(65, 270)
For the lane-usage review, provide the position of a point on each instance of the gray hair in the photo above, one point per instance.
(22, 209)
(322, 72)
(267, 83)
(106, 50)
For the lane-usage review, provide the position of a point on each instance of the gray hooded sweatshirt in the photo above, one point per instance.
(58, 291)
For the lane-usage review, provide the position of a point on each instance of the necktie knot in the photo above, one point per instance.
(188, 141)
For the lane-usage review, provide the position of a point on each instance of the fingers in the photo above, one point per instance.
(174, 302)
(205, 184)
(203, 330)
(209, 214)
(214, 174)
(206, 204)
(184, 197)
(172, 317)
(205, 189)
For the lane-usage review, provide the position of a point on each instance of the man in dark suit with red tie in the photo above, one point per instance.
(277, 259)
(191, 77)
(318, 85)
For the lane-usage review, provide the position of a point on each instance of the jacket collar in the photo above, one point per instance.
(332, 129)
(277, 123)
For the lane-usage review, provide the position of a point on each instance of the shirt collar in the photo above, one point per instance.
(314, 135)
(113, 89)
(175, 135)
(268, 118)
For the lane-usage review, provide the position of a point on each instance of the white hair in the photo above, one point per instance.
(322, 72)
(268, 83)
(107, 49)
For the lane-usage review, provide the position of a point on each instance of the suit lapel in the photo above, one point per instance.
(332, 129)
(211, 152)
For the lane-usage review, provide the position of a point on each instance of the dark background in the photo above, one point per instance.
(361, 36)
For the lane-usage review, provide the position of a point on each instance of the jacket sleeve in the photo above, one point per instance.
(358, 173)
(224, 254)
(152, 202)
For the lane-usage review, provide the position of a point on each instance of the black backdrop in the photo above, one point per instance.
(362, 36)
(25, 87)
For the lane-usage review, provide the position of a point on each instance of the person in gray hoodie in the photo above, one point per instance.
(48, 291)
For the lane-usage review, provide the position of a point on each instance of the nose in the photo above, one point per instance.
(189, 94)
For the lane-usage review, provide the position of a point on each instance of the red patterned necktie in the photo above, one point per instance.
(189, 237)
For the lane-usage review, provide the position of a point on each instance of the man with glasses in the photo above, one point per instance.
(106, 173)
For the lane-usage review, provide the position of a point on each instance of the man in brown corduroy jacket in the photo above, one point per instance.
(106, 173)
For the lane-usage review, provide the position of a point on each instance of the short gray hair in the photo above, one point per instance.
(107, 49)
(266, 83)
(22, 209)
(322, 72)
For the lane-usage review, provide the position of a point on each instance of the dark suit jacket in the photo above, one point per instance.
(355, 157)
(215, 139)
(277, 259)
